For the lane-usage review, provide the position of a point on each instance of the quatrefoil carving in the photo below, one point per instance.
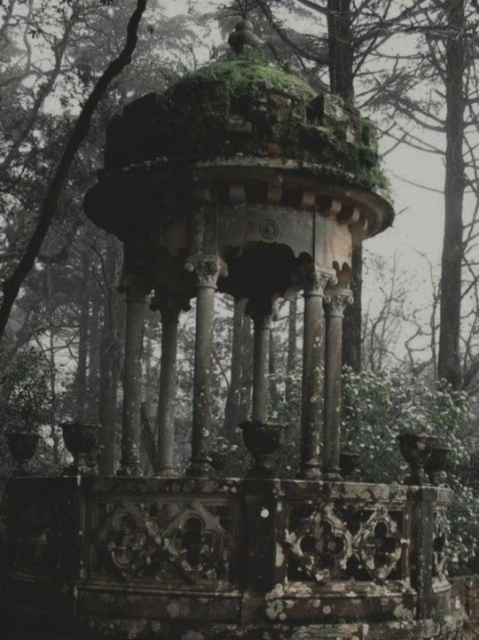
(321, 544)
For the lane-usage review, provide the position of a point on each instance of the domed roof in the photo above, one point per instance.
(243, 107)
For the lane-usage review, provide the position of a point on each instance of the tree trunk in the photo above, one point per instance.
(148, 442)
(146, 407)
(53, 432)
(149, 386)
(94, 358)
(110, 362)
(340, 43)
(233, 398)
(107, 404)
(12, 285)
(292, 357)
(449, 364)
(352, 323)
(247, 373)
(81, 372)
(274, 399)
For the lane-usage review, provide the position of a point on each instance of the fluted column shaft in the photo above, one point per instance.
(261, 312)
(208, 269)
(136, 291)
(312, 280)
(336, 301)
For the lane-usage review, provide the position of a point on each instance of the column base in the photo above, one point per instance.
(167, 472)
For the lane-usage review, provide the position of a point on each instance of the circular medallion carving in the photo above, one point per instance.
(269, 229)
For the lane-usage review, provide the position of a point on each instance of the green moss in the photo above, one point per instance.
(242, 107)
(369, 134)
(374, 178)
(248, 72)
(311, 134)
(369, 157)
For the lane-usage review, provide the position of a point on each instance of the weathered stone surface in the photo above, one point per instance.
(239, 107)
(292, 559)
(227, 136)
(127, 629)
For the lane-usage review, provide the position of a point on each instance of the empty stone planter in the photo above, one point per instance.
(23, 446)
(81, 440)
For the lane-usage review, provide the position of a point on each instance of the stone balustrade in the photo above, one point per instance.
(229, 555)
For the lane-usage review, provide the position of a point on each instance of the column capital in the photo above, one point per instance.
(312, 279)
(261, 311)
(336, 300)
(169, 306)
(208, 269)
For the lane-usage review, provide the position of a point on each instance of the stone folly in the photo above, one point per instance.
(241, 179)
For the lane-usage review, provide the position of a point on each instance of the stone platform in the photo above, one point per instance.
(201, 559)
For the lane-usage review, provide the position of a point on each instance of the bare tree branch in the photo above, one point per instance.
(12, 285)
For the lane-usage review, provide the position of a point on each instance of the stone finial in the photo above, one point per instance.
(243, 37)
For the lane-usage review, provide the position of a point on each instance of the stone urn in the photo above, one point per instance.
(348, 463)
(436, 462)
(416, 449)
(23, 446)
(261, 439)
(81, 440)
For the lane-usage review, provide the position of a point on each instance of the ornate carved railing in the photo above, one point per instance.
(230, 551)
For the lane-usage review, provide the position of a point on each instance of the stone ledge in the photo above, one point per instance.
(127, 629)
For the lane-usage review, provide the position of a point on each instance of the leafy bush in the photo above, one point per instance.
(25, 398)
(26, 404)
(376, 409)
(380, 406)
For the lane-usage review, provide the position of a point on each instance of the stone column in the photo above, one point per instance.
(261, 312)
(312, 280)
(336, 301)
(170, 308)
(208, 270)
(136, 291)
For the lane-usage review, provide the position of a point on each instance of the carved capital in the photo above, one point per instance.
(312, 279)
(169, 306)
(336, 300)
(208, 269)
(261, 311)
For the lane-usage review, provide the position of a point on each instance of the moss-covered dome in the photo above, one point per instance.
(244, 161)
(243, 107)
